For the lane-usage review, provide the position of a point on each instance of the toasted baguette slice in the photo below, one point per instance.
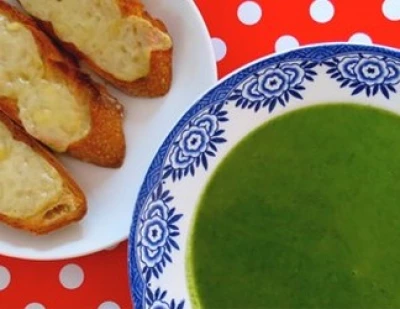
(118, 40)
(36, 193)
(43, 91)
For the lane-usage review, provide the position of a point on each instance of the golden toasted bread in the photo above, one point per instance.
(44, 92)
(36, 193)
(118, 40)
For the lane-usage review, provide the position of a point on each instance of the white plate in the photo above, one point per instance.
(111, 193)
(217, 122)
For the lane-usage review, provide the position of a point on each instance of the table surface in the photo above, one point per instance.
(241, 31)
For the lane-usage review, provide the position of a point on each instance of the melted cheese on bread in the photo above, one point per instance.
(47, 109)
(118, 44)
(28, 183)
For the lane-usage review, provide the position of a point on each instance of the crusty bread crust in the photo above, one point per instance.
(156, 83)
(105, 143)
(53, 216)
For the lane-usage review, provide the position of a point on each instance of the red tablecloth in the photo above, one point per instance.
(241, 31)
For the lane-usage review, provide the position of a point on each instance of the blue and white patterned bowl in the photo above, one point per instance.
(245, 100)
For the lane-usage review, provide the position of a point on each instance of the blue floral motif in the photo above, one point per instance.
(158, 232)
(196, 144)
(155, 233)
(157, 300)
(344, 66)
(194, 141)
(363, 73)
(275, 85)
(371, 71)
(208, 122)
(178, 161)
(152, 257)
(250, 90)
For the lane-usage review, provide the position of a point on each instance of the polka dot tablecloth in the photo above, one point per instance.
(241, 32)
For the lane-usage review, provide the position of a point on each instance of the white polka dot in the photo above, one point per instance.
(109, 305)
(71, 276)
(249, 13)
(35, 306)
(360, 38)
(286, 42)
(219, 48)
(5, 278)
(322, 11)
(391, 9)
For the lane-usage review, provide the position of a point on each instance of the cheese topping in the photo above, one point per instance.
(119, 45)
(28, 183)
(47, 109)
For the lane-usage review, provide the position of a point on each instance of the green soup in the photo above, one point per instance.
(303, 213)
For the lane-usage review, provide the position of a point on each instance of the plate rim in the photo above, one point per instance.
(201, 103)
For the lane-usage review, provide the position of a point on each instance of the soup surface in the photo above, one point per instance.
(303, 213)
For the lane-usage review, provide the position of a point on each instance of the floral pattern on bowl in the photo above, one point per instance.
(158, 232)
(197, 143)
(276, 85)
(363, 73)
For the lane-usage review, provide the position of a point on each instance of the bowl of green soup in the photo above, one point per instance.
(279, 188)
